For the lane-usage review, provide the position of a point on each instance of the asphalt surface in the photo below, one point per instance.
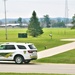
(37, 68)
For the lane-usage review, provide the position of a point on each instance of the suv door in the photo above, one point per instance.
(6, 52)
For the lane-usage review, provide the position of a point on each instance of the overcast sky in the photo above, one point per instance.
(24, 8)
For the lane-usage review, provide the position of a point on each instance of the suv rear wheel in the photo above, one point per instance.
(27, 61)
(19, 60)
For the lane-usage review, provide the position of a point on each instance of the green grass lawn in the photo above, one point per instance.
(66, 57)
(29, 74)
(44, 40)
(40, 41)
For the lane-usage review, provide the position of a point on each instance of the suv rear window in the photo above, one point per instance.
(21, 47)
(32, 47)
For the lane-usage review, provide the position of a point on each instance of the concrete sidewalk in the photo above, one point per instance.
(72, 39)
(56, 50)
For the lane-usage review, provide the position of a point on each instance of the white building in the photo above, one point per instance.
(69, 25)
(14, 25)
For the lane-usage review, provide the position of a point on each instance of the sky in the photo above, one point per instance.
(24, 8)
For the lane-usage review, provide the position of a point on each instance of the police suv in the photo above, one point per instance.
(18, 52)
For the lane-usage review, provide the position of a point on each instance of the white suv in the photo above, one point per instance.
(18, 52)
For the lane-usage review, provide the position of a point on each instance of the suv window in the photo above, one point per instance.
(2, 47)
(31, 46)
(21, 47)
(7, 47)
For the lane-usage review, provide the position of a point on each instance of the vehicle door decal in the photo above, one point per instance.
(24, 52)
(5, 55)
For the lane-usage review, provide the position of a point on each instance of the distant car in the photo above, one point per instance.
(18, 52)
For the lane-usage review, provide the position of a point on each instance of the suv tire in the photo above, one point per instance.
(19, 60)
(27, 61)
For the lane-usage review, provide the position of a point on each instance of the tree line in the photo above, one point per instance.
(35, 25)
(46, 21)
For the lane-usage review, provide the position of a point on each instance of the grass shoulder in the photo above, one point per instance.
(29, 74)
(66, 57)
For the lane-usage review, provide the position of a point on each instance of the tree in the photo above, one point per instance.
(34, 28)
(73, 19)
(73, 22)
(59, 24)
(20, 21)
(47, 20)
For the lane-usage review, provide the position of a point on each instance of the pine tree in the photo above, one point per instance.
(34, 28)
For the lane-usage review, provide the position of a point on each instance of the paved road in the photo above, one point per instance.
(38, 68)
(56, 50)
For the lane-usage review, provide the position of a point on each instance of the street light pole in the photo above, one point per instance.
(5, 19)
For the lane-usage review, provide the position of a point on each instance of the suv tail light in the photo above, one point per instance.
(30, 51)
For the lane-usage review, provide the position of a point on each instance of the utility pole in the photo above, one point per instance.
(5, 19)
(66, 11)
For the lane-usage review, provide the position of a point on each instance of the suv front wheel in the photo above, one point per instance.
(19, 60)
